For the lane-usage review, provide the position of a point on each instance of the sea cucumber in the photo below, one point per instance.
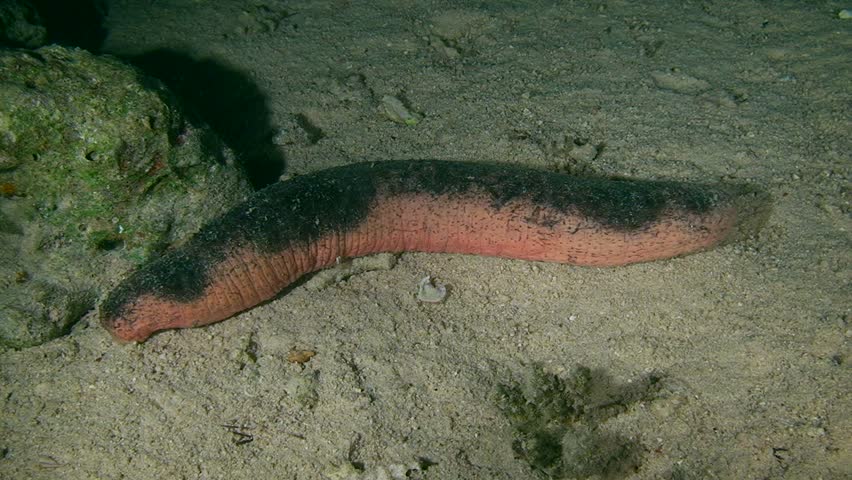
(304, 224)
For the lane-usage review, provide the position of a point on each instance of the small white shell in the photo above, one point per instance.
(429, 291)
(396, 111)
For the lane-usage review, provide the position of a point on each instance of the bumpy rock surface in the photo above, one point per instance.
(99, 170)
(20, 24)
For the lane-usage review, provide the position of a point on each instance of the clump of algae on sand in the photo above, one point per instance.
(99, 170)
(560, 421)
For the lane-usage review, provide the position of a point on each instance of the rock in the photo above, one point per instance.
(100, 171)
(21, 25)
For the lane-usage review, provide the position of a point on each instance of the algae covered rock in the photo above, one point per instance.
(99, 170)
(20, 24)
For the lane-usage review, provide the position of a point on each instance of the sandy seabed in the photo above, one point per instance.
(750, 341)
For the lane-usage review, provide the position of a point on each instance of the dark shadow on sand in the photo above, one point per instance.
(227, 100)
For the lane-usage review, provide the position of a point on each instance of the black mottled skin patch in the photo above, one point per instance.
(301, 210)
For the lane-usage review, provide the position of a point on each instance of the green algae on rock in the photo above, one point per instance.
(21, 25)
(104, 171)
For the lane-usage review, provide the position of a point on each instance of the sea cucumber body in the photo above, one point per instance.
(304, 224)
